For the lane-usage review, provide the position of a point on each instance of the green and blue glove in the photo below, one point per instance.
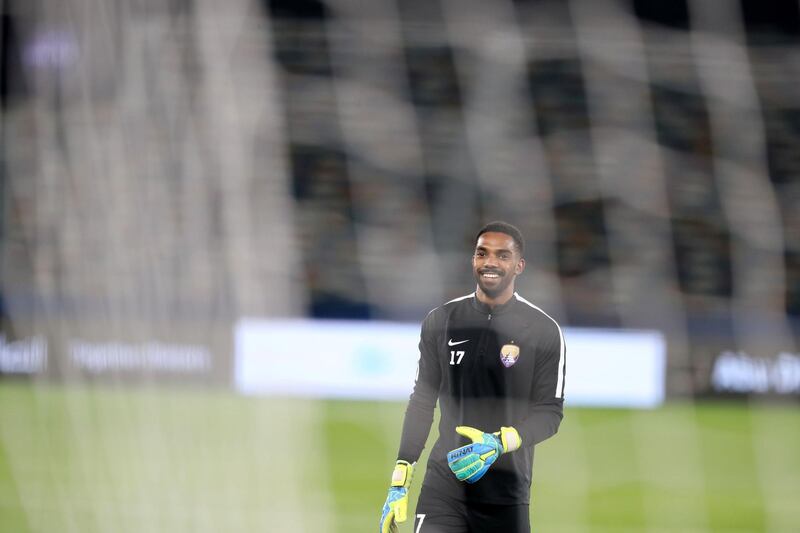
(469, 463)
(396, 507)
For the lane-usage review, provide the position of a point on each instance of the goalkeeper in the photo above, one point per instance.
(496, 364)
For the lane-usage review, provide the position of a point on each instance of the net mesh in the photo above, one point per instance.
(176, 164)
(169, 167)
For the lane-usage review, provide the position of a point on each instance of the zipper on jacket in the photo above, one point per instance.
(484, 339)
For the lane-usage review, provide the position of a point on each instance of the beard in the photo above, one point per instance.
(493, 289)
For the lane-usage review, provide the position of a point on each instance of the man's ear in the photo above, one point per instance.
(520, 266)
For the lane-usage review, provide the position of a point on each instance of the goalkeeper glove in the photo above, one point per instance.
(469, 463)
(396, 506)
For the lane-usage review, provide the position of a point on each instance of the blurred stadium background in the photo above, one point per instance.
(174, 170)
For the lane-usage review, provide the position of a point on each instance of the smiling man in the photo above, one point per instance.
(496, 364)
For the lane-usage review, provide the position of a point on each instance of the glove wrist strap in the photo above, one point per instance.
(510, 439)
(401, 476)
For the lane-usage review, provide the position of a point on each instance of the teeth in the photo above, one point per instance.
(490, 275)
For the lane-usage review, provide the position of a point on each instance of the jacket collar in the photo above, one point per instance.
(496, 310)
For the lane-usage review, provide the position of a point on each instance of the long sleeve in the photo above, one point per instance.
(547, 395)
(419, 413)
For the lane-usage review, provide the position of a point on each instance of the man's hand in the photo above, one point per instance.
(469, 463)
(396, 507)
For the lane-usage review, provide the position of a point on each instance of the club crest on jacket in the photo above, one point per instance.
(509, 354)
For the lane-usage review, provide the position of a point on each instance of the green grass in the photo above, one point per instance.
(100, 459)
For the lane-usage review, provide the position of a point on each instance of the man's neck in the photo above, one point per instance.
(494, 301)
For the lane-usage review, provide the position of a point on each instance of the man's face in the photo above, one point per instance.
(496, 262)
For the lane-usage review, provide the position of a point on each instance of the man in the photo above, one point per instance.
(496, 364)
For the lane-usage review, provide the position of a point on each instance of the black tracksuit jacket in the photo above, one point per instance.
(488, 368)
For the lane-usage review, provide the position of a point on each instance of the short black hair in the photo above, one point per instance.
(498, 226)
